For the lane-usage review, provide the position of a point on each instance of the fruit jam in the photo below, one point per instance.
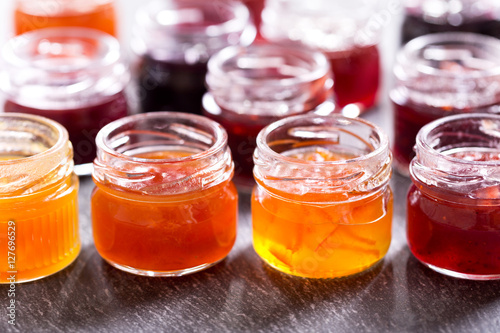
(38, 199)
(441, 75)
(173, 41)
(38, 14)
(164, 204)
(476, 16)
(251, 87)
(321, 224)
(453, 205)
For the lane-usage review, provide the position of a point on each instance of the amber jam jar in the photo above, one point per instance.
(251, 87)
(341, 31)
(322, 207)
(75, 76)
(38, 14)
(164, 204)
(173, 40)
(38, 199)
(439, 75)
(434, 16)
(454, 202)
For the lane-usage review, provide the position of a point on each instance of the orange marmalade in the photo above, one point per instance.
(164, 204)
(38, 202)
(38, 14)
(322, 207)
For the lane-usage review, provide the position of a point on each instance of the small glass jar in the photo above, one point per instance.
(38, 199)
(340, 30)
(38, 14)
(434, 16)
(173, 40)
(251, 87)
(75, 76)
(322, 207)
(454, 202)
(164, 204)
(439, 75)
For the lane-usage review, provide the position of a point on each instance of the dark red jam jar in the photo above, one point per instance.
(454, 202)
(341, 32)
(75, 76)
(433, 16)
(439, 75)
(173, 40)
(249, 88)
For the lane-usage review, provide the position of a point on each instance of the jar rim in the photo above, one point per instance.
(321, 64)
(108, 48)
(410, 53)
(266, 149)
(55, 127)
(423, 136)
(103, 137)
(234, 24)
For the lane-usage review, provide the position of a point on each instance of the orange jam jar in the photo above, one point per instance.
(38, 14)
(322, 206)
(164, 204)
(38, 198)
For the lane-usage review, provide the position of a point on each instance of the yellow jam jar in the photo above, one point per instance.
(38, 198)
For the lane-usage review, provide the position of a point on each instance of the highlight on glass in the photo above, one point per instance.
(250, 87)
(38, 199)
(454, 202)
(75, 76)
(322, 206)
(164, 204)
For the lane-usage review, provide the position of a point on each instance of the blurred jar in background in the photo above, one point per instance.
(75, 76)
(432, 16)
(439, 75)
(37, 14)
(344, 32)
(173, 41)
(251, 87)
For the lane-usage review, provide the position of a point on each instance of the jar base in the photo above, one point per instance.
(180, 272)
(349, 274)
(476, 277)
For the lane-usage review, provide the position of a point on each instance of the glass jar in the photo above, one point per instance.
(439, 75)
(38, 199)
(173, 40)
(340, 30)
(433, 16)
(164, 204)
(38, 14)
(454, 202)
(322, 207)
(251, 87)
(75, 76)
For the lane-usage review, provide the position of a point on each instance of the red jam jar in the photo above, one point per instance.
(433, 16)
(38, 14)
(164, 204)
(341, 31)
(173, 40)
(75, 76)
(454, 202)
(251, 87)
(439, 75)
